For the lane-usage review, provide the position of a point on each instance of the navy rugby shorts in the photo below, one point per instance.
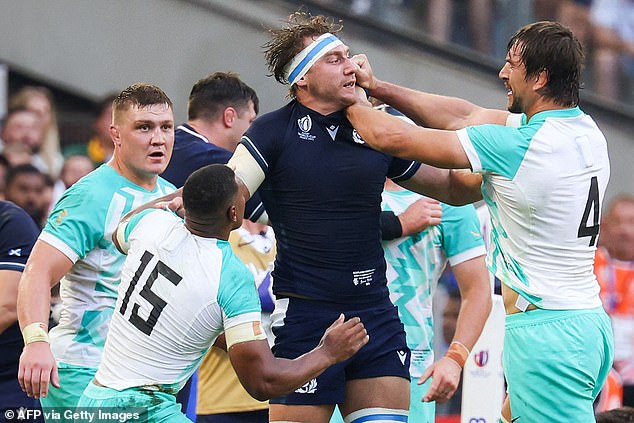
(299, 324)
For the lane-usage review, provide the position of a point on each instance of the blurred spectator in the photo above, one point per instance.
(74, 168)
(614, 267)
(613, 22)
(40, 101)
(25, 186)
(17, 154)
(99, 148)
(17, 236)
(441, 22)
(21, 126)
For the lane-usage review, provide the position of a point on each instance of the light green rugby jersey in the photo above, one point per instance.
(81, 227)
(415, 263)
(543, 181)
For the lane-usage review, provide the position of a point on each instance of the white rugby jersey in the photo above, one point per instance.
(178, 292)
(544, 183)
(81, 227)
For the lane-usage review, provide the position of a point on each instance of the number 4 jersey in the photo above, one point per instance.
(178, 292)
(543, 182)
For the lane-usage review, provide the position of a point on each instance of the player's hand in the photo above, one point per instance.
(445, 374)
(363, 72)
(36, 369)
(343, 338)
(420, 215)
(362, 97)
(175, 205)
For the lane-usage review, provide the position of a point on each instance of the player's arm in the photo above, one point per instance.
(475, 291)
(265, 376)
(9, 280)
(431, 110)
(455, 187)
(248, 172)
(172, 201)
(45, 268)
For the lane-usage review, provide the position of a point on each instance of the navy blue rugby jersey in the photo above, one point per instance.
(193, 151)
(18, 233)
(322, 192)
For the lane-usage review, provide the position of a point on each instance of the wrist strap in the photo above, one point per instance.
(458, 352)
(35, 332)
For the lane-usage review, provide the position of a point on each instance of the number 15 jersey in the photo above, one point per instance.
(178, 292)
(544, 182)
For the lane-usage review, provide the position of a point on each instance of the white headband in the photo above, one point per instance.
(306, 58)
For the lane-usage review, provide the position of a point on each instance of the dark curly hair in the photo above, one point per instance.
(288, 41)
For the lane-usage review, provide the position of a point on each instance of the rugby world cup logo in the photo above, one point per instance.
(481, 358)
(305, 123)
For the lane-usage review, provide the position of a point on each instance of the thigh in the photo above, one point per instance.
(554, 365)
(380, 392)
(300, 413)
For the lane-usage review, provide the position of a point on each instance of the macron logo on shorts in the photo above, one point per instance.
(402, 355)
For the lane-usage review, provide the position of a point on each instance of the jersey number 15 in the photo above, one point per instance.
(157, 303)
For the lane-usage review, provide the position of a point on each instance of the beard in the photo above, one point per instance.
(516, 106)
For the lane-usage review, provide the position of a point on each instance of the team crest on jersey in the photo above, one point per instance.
(305, 124)
(61, 216)
(309, 387)
(356, 137)
(481, 358)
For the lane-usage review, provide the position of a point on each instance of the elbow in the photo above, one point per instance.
(263, 389)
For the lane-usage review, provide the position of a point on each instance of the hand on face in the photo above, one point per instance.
(363, 72)
(361, 97)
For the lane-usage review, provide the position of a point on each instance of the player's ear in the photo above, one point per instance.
(115, 135)
(232, 213)
(229, 116)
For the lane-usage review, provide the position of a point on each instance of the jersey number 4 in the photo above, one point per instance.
(592, 205)
(157, 303)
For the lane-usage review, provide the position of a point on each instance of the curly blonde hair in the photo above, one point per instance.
(288, 41)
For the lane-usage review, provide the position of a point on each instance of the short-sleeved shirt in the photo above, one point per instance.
(18, 233)
(415, 263)
(322, 192)
(193, 151)
(544, 182)
(178, 292)
(81, 227)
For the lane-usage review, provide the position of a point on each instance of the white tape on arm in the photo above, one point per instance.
(244, 332)
(246, 168)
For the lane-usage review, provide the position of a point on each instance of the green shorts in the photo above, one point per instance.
(556, 362)
(72, 380)
(419, 411)
(155, 406)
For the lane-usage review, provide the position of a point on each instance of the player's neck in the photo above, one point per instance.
(207, 229)
(213, 132)
(322, 107)
(146, 181)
